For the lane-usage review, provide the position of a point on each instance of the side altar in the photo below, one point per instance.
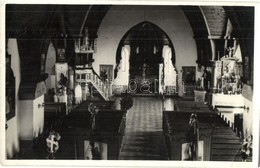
(227, 90)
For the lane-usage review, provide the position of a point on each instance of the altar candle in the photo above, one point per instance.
(235, 42)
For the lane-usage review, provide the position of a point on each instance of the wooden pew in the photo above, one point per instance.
(110, 127)
(191, 106)
(99, 104)
(53, 114)
(215, 133)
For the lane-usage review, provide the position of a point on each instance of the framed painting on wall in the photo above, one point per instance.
(106, 72)
(188, 75)
(61, 55)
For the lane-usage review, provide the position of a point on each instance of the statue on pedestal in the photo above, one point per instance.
(206, 77)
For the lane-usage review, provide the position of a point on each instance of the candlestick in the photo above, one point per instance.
(235, 42)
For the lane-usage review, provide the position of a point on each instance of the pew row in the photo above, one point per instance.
(213, 131)
(53, 114)
(109, 132)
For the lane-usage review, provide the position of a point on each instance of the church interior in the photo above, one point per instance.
(129, 82)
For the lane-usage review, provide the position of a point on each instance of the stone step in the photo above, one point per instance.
(226, 141)
(225, 158)
(219, 136)
(230, 151)
(226, 146)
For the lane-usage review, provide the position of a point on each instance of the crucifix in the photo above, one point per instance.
(144, 68)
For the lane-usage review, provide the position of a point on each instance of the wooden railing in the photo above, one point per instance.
(103, 87)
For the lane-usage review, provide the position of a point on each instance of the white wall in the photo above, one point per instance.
(32, 118)
(248, 117)
(247, 92)
(38, 116)
(11, 136)
(171, 19)
(26, 120)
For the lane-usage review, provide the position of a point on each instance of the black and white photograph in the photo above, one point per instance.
(171, 83)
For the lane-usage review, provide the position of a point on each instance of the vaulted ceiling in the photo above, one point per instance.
(43, 22)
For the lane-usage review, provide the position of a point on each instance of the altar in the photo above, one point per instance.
(227, 89)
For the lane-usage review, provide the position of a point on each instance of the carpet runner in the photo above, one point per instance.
(143, 138)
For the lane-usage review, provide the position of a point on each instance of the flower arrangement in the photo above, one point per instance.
(126, 101)
(246, 148)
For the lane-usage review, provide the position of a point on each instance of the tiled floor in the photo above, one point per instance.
(144, 135)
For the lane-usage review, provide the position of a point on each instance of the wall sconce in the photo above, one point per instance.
(246, 109)
(41, 105)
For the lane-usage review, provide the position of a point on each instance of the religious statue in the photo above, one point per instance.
(63, 82)
(93, 111)
(193, 122)
(96, 155)
(206, 77)
(94, 150)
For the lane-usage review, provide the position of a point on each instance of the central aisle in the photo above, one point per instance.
(143, 138)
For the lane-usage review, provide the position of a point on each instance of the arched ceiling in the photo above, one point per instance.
(204, 20)
(48, 21)
(53, 18)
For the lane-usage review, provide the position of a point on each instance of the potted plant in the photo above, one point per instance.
(246, 148)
